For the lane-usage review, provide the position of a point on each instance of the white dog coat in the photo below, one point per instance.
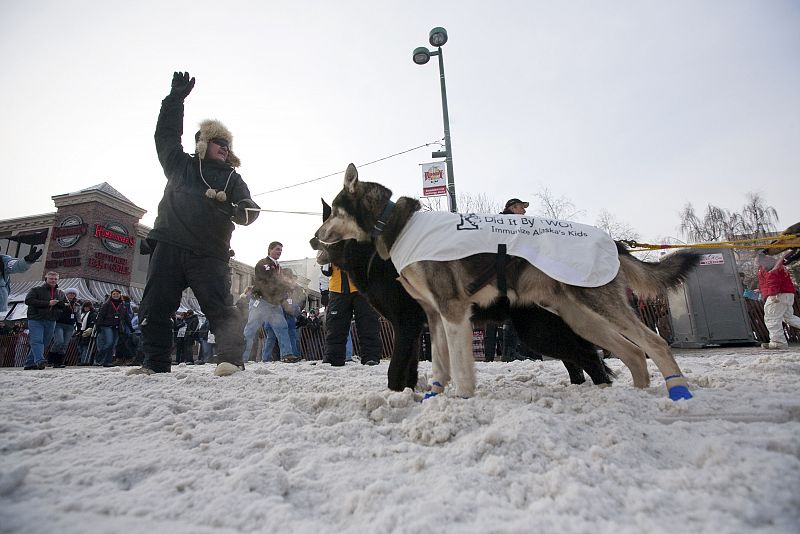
(572, 253)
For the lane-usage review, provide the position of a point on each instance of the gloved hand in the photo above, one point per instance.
(182, 85)
(241, 215)
(33, 255)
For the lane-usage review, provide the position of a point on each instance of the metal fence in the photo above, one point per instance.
(654, 313)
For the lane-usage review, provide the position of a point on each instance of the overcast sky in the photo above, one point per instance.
(636, 107)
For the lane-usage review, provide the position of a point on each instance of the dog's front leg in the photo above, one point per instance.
(440, 357)
(459, 345)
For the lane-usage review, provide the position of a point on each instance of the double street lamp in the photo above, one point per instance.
(437, 38)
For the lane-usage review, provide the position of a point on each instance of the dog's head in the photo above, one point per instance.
(354, 211)
(324, 250)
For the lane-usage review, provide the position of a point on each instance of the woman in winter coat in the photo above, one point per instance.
(112, 317)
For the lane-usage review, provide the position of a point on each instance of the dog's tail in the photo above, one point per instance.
(648, 279)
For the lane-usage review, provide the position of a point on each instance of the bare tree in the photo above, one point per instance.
(717, 224)
(467, 203)
(756, 219)
(616, 229)
(556, 208)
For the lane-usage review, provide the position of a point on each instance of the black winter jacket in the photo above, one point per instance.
(38, 302)
(114, 314)
(70, 313)
(186, 217)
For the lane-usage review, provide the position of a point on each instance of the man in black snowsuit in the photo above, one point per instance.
(190, 241)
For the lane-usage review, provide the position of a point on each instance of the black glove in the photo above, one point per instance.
(33, 255)
(182, 85)
(241, 215)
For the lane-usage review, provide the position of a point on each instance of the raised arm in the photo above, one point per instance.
(169, 128)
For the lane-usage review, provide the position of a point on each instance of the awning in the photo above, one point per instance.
(93, 290)
(189, 303)
(20, 289)
(18, 312)
(78, 284)
(136, 294)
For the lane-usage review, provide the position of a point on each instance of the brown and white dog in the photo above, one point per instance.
(445, 290)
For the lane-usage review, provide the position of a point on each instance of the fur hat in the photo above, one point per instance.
(209, 129)
(71, 290)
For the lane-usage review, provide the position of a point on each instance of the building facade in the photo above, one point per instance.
(92, 241)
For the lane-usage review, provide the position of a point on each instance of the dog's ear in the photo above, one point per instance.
(326, 210)
(350, 179)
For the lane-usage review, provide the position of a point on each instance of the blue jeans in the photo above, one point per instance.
(106, 341)
(206, 351)
(291, 323)
(61, 337)
(39, 335)
(84, 350)
(262, 312)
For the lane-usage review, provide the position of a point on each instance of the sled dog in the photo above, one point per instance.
(364, 211)
(538, 329)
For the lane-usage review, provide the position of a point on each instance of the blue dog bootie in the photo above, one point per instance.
(436, 389)
(678, 391)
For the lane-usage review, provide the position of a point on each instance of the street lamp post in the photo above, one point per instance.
(437, 38)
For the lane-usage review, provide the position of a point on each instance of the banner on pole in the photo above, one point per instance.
(434, 179)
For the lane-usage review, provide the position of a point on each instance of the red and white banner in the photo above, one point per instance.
(434, 179)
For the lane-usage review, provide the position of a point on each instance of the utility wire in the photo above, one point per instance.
(438, 141)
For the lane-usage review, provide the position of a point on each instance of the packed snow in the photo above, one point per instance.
(310, 448)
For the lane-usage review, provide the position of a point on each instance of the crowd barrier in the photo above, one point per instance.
(654, 313)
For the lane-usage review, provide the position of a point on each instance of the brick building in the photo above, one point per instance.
(92, 240)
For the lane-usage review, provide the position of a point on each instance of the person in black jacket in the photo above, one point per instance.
(65, 328)
(190, 241)
(112, 317)
(192, 324)
(45, 303)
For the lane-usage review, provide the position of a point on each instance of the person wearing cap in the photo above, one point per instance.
(778, 292)
(189, 244)
(515, 206)
(65, 328)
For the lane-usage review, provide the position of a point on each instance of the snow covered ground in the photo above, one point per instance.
(309, 448)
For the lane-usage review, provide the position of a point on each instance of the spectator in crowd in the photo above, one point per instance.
(746, 291)
(124, 351)
(65, 328)
(190, 241)
(136, 336)
(179, 333)
(192, 324)
(112, 317)
(10, 265)
(514, 206)
(344, 301)
(292, 307)
(269, 291)
(86, 332)
(45, 303)
(206, 340)
(324, 284)
(778, 292)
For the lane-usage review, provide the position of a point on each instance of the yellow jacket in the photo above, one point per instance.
(339, 282)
